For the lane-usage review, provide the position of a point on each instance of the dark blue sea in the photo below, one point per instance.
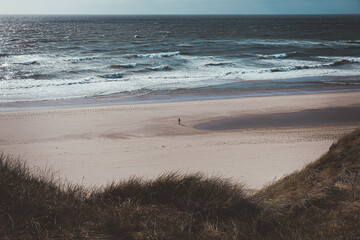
(80, 60)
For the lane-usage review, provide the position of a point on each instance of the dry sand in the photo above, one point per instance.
(95, 145)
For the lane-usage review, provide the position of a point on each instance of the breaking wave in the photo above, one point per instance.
(160, 68)
(29, 63)
(277, 56)
(346, 61)
(80, 59)
(129, 65)
(334, 63)
(112, 76)
(153, 55)
(340, 62)
(218, 64)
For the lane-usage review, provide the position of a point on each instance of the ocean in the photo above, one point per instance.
(85, 60)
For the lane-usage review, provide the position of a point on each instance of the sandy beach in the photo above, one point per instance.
(95, 145)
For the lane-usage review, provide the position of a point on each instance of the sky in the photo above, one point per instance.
(179, 6)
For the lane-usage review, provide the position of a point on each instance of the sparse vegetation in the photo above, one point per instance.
(321, 201)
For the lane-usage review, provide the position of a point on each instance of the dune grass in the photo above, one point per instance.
(321, 201)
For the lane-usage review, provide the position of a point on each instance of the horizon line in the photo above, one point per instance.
(172, 14)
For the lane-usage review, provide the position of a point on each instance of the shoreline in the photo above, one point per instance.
(180, 95)
(95, 145)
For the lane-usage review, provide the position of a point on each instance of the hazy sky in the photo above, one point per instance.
(179, 6)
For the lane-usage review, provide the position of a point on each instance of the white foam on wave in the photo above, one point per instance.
(298, 43)
(190, 72)
(219, 64)
(154, 55)
(31, 90)
(270, 74)
(128, 65)
(325, 62)
(336, 59)
(35, 59)
(29, 63)
(278, 55)
(38, 90)
(112, 76)
(290, 68)
(280, 42)
(185, 45)
(160, 68)
(80, 59)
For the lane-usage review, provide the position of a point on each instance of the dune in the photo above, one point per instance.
(320, 201)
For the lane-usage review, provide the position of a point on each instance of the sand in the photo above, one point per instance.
(96, 145)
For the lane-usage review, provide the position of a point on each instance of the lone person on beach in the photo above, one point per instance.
(179, 121)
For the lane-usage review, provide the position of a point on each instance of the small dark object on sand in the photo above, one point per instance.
(179, 121)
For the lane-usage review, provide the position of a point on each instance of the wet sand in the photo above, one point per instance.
(304, 118)
(95, 145)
